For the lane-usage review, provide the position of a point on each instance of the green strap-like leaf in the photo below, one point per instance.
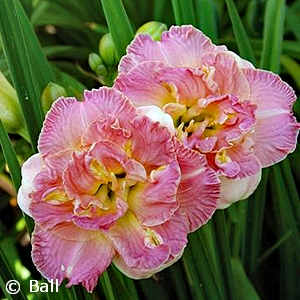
(240, 32)
(206, 17)
(10, 157)
(184, 12)
(7, 273)
(245, 288)
(224, 251)
(118, 24)
(28, 66)
(273, 35)
(292, 67)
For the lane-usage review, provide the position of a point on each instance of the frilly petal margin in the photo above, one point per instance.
(174, 234)
(276, 130)
(233, 190)
(30, 169)
(199, 188)
(154, 83)
(151, 143)
(140, 247)
(81, 258)
(174, 42)
(153, 202)
(68, 118)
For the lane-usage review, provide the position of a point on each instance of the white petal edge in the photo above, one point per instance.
(158, 115)
(30, 169)
(233, 190)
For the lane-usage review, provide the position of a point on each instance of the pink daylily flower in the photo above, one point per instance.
(239, 117)
(110, 185)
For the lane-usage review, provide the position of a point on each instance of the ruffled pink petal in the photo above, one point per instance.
(229, 78)
(49, 215)
(199, 188)
(141, 248)
(144, 85)
(106, 129)
(170, 49)
(131, 272)
(152, 83)
(271, 95)
(174, 234)
(82, 177)
(102, 220)
(241, 63)
(154, 202)
(151, 143)
(63, 127)
(77, 177)
(243, 155)
(241, 121)
(30, 169)
(68, 118)
(117, 161)
(69, 252)
(227, 168)
(276, 130)
(110, 102)
(49, 204)
(274, 138)
(59, 161)
(142, 49)
(233, 190)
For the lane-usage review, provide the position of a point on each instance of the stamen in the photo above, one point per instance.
(152, 238)
(56, 197)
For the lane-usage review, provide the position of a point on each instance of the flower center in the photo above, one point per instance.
(212, 123)
(98, 180)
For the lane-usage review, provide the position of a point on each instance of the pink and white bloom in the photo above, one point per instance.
(109, 184)
(239, 117)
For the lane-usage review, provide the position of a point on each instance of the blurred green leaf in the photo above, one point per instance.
(286, 218)
(107, 286)
(206, 17)
(28, 66)
(10, 157)
(191, 274)
(184, 12)
(66, 52)
(293, 22)
(224, 251)
(292, 67)
(273, 35)
(240, 32)
(8, 258)
(72, 86)
(56, 12)
(118, 24)
(245, 290)
(256, 215)
(123, 286)
(158, 10)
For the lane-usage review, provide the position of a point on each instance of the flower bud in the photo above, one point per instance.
(96, 64)
(94, 61)
(10, 111)
(107, 50)
(51, 92)
(153, 28)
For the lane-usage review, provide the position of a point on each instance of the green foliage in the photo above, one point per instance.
(184, 12)
(118, 24)
(27, 64)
